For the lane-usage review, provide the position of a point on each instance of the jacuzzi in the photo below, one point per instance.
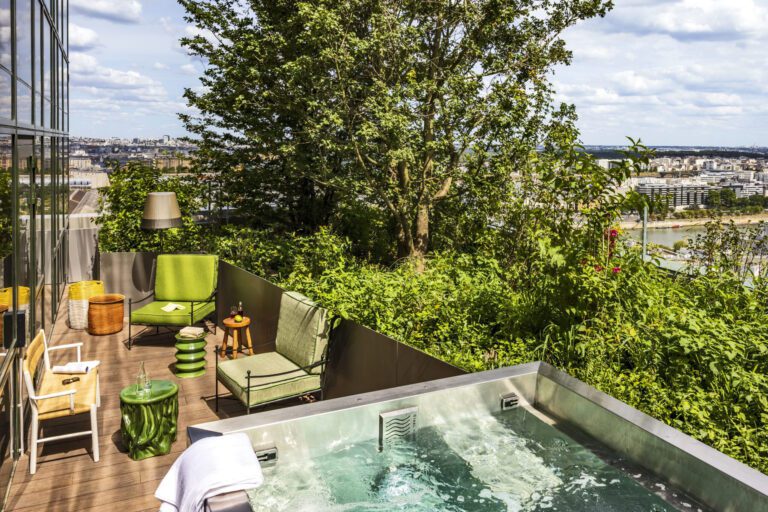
(516, 439)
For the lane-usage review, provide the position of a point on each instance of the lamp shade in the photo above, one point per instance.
(161, 211)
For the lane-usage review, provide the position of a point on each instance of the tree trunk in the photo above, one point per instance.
(421, 237)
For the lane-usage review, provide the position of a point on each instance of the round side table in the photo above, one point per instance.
(105, 314)
(190, 357)
(149, 423)
(235, 331)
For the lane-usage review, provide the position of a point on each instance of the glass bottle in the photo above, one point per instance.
(142, 379)
(240, 308)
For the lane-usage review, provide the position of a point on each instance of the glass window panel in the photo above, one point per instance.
(6, 58)
(47, 113)
(65, 39)
(38, 109)
(23, 102)
(6, 214)
(45, 186)
(46, 58)
(24, 40)
(6, 97)
(38, 53)
(6, 411)
(23, 254)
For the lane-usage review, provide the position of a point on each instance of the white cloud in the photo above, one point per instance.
(121, 11)
(671, 72)
(694, 19)
(189, 69)
(81, 38)
(113, 84)
(159, 66)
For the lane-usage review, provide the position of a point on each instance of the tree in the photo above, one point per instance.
(728, 197)
(403, 105)
(714, 199)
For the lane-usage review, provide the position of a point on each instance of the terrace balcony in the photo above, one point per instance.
(370, 376)
(68, 479)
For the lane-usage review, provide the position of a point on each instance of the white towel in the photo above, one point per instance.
(211, 466)
(171, 307)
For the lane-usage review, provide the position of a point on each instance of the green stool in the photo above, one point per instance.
(190, 357)
(148, 424)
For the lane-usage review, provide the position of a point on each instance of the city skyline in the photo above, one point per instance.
(671, 72)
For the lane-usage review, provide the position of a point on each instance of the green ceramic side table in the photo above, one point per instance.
(190, 357)
(149, 423)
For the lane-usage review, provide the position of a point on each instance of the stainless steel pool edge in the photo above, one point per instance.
(715, 479)
(262, 419)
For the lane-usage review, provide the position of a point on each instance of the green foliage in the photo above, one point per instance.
(428, 129)
(402, 106)
(6, 220)
(691, 351)
(122, 205)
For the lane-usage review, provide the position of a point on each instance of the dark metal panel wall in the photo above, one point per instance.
(362, 360)
(129, 273)
(261, 302)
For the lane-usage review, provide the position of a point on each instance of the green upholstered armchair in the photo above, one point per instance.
(189, 280)
(295, 368)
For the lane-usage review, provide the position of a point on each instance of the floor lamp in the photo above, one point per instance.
(161, 211)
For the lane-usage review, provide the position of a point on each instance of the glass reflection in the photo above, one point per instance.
(5, 94)
(6, 408)
(5, 34)
(6, 236)
(23, 102)
(26, 163)
(24, 40)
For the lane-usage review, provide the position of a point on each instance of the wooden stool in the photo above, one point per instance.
(234, 329)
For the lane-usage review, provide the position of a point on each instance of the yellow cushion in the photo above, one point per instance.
(85, 396)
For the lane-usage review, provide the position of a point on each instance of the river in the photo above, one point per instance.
(667, 236)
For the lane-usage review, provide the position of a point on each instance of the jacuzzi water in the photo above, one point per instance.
(510, 462)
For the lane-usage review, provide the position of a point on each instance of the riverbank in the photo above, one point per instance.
(739, 220)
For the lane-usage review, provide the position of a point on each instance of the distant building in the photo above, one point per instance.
(745, 189)
(676, 195)
(172, 162)
(80, 162)
(166, 139)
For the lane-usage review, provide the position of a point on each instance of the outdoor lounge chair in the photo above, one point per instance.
(189, 280)
(50, 399)
(295, 368)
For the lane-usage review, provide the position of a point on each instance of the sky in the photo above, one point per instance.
(670, 72)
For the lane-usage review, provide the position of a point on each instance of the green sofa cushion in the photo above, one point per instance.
(232, 374)
(186, 277)
(152, 314)
(302, 330)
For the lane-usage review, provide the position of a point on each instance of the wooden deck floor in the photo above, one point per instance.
(67, 479)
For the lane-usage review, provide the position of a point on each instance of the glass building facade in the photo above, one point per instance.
(34, 192)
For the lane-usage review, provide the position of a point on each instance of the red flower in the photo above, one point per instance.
(598, 268)
(616, 270)
(614, 234)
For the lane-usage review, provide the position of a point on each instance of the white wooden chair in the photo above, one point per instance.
(50, 399)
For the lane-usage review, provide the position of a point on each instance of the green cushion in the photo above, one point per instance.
(302, 330)
(152, 314)
(232, 375)
(186, 277)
